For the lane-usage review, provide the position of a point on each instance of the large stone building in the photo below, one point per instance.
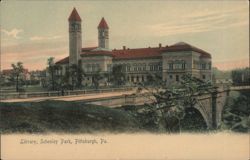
(170, 62)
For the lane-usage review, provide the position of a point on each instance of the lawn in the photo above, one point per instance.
(66, 117)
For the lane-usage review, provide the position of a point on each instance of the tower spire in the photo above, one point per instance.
(74, 16)
(103, 24)
(103, 34)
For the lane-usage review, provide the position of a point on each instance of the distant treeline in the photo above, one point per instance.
(238, 76)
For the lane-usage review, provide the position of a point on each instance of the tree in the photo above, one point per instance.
(241, 76)
(169, 103)
(96, 78)
(117, 75)
(236, 113)
(54, 73)
(80, 74)
(73, 75)
(76, 75)
(17, 70)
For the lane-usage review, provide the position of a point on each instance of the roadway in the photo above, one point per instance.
(73, 97)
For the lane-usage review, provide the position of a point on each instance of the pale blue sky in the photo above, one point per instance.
(32, 31)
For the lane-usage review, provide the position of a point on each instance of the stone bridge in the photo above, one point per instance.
(210, 105)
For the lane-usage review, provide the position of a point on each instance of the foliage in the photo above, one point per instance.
(52, 70)
(17, 70)
(117, 75)
(96, 78)
(236, 113)
(170, 102)
(241, 76)
(218, 74)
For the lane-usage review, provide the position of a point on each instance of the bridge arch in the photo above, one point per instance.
(205, 115)
(193, 120)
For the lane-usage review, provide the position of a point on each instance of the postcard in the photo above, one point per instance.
(128, 79)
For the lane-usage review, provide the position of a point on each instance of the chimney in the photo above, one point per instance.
(159, 45)
(124, 47)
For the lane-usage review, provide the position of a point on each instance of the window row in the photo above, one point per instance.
(92, 67)
(178, 64)
(202, 65)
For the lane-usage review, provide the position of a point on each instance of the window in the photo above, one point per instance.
(155, 67)
(151, 68)
(160, 67)
(177, 78)
(203, 66)
(88, 67)
(142, 78)
(209, 65)
(170, 66)
(128, 68)
(183, 65)
(170, 76)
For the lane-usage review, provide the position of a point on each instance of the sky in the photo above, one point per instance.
(33, 31)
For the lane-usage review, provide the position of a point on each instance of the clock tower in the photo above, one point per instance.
(103, 34)
(75, 37)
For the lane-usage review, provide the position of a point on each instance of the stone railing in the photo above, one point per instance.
(59, 93)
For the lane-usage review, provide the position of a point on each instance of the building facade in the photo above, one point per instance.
(169, 62)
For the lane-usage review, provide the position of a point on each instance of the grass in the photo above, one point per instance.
(66, 117)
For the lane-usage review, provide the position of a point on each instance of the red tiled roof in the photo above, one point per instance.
(140, 53)
(103, 24)
(137, 53)
(74, 16)
(182, 46)
(63, 61)
(97, 53)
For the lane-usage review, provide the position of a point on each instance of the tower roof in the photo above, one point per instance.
(74, 16)
(103, 24)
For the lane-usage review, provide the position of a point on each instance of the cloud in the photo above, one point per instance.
(33, 55)
(13, 33)
(39, 38)
(201, 21)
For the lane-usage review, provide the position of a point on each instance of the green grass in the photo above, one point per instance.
(66, 117)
